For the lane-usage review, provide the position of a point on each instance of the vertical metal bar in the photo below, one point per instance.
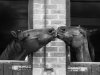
(45, 22)
(68, 25)
(46, 69)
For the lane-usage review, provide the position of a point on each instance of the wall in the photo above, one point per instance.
(85, 12)
(57, 14)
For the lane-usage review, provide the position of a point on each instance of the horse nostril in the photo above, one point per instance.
(51, 31)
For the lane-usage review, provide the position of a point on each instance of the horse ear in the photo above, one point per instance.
(92, 31)
(14, 34)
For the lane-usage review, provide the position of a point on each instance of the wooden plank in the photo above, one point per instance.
(85, 0)
(85, 10)
(95, 69)
(87, 69)
(27, 69)
(7, 69)
(78, 66)
(1, 68)
(16, 67)
(86, 21)
(70, 70)
(67, 12)
(30, 14)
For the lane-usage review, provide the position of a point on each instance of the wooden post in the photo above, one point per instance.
(30, 14)
(68, 23)
(30, 26)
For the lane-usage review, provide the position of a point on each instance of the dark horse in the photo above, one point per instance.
(77, 39)
(26, 42)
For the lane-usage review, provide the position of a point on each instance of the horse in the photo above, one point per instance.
(77, 38)
(27, 42)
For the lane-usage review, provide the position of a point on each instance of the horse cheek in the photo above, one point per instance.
(32, 45)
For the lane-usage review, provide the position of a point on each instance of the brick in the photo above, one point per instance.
(62, 49)
(36, 65)
(57, 43)
(50, 60)
(36, 71)
(62, 71)
(39, 22)
(61, 6)
(51, 49)
(36, 26)
(52, 17)
(58, 65)
(51, 6)
(36, 60)
(54, 26)
(58, 1)
(39, 1)
(40, 54)
(62, 16)
(60, 11)
(36, 5)
(57, 54)
(39, 17)
(62, 59)
(38, 11)
(58, 22)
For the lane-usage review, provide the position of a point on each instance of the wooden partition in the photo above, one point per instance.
(15, 68)
(83, 68)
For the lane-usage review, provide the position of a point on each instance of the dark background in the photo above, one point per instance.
(86, 13)
(13, 16)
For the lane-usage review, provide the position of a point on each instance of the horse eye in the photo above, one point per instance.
(63, 29)
(28, 34)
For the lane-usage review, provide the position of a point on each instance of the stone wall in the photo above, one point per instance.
(57, 14)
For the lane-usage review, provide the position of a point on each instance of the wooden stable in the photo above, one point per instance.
(24, 68)
(83, 68)
(15, 68)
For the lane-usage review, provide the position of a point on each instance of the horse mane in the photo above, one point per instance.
(90, 46)
(5, 39)
(12, 49)
(91, 49)
(87, 34)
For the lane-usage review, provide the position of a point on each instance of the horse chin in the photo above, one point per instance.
(68, 41)
(60, 36)
(45, 41)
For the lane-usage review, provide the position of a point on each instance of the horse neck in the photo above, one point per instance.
(13, 51)
(86, 53)
(80, 54)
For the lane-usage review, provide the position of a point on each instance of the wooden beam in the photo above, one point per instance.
(30, 14)
(85, 21)
(67, 12)
(85, 0)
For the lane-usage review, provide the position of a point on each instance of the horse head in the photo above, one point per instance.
(75, 37)
(29, 41)
(71, 35)
(35, 38)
